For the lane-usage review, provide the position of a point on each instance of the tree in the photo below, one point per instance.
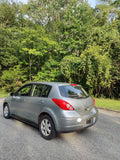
(63, 40)
(12, 79)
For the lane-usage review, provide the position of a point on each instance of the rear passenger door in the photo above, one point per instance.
(37, 101)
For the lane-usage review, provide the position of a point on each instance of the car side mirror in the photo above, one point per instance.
(11, 94)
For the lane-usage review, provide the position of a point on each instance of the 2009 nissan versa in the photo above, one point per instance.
(52, 107)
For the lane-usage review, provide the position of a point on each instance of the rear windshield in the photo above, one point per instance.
(73, 91)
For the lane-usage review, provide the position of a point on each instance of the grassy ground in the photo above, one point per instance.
(108, 103)
(3, 93)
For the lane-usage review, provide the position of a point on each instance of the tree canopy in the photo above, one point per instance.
(65, 40)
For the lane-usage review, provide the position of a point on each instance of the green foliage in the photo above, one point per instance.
(70, 68)
(61, 41)
(12, 79)
(3, 93)
(49, 72)
(97, 67)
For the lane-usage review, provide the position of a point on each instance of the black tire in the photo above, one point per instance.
(47, 131)
(6, 111)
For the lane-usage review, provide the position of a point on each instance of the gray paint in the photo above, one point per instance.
(31, 108)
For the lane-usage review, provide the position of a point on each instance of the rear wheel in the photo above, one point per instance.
(47, 127)
(6, 111)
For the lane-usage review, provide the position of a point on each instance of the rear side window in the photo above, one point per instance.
(73, 91)
(46, 91)
(38, 90)
(41, 90)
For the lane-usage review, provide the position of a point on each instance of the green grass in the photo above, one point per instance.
(3, 93)
(108, 103)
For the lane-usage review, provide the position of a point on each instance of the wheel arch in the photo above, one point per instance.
(50, 115)
(5, 104)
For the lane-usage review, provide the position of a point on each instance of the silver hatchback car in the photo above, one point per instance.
(52, 107)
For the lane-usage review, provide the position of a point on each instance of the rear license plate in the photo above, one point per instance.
(89, 121)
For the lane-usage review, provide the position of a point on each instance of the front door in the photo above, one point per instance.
(19, 103)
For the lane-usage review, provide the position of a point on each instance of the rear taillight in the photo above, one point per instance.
(63, 104)
(94, 102)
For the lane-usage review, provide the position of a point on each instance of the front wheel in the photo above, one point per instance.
(47, 127)
(6, 111)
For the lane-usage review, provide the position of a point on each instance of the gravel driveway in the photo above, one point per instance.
(19, 141)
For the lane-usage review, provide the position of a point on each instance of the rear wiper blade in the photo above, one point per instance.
(77, 97)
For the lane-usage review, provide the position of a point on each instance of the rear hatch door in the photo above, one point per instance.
(77, 97)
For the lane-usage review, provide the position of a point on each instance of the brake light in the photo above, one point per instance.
(94, 102)
(63, 104)
(73, 84)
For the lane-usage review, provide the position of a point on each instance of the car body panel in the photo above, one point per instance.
(30, 108)
(17, 105)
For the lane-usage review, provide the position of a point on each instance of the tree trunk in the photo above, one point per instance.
(30, 64)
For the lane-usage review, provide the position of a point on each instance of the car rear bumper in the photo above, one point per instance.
(77, 123)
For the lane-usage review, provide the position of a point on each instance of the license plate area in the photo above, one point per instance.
(91, 120)
(88, 121)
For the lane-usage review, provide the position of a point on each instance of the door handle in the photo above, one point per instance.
(16, 97)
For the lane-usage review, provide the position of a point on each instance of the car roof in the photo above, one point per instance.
(49, 83)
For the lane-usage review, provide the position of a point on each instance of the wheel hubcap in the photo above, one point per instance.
(6, 111)
(45, 127)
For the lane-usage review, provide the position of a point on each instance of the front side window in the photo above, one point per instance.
(25, 91)
(72, 91)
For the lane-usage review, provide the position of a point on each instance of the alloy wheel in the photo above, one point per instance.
(46, 127)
